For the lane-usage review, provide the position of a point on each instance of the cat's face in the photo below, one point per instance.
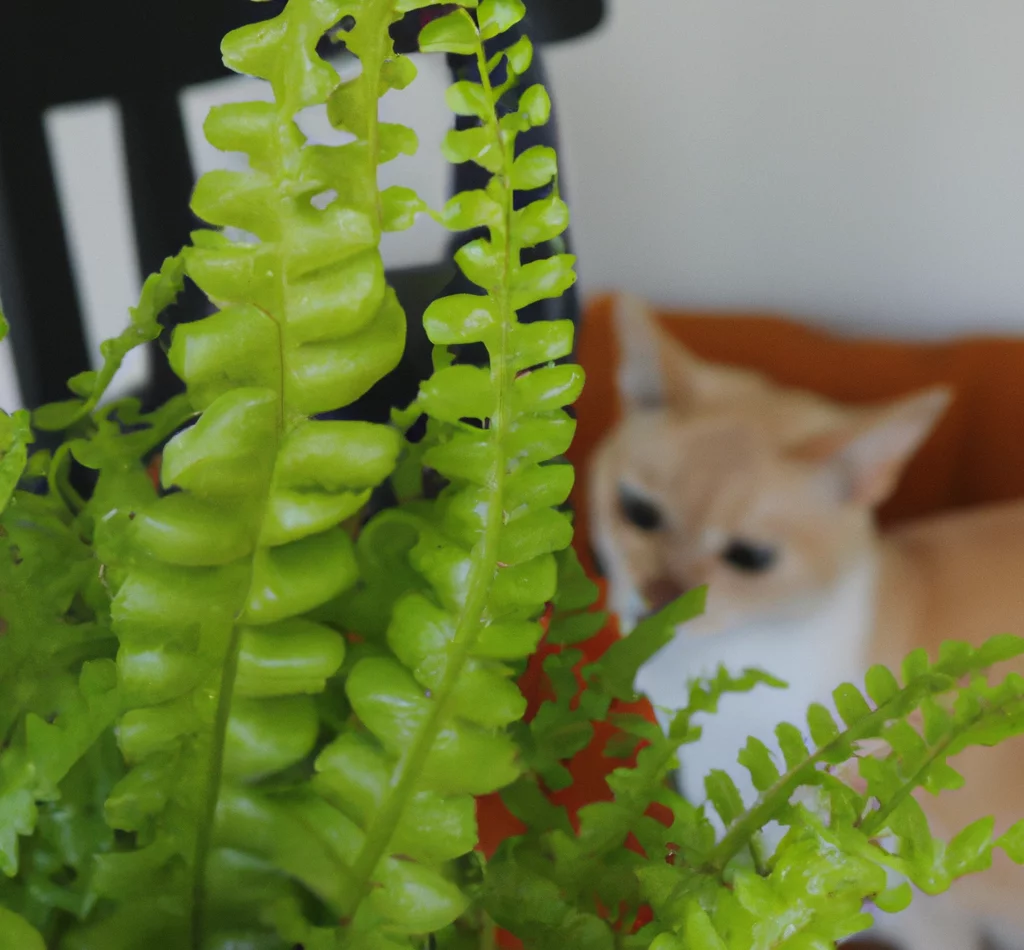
(721, 478)
(683, 503)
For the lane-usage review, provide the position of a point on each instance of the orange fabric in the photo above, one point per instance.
(153, 470)
(976, 454)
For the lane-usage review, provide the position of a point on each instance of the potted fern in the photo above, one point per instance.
(236, 716)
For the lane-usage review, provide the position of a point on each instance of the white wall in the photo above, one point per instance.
(859, 162)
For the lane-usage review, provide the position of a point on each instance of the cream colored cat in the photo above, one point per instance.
(716, 476)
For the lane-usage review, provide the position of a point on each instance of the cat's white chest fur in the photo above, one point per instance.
(813, 649)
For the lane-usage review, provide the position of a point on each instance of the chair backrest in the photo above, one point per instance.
(175, 46)
(54, 54)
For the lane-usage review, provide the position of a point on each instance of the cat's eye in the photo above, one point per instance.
(750, 557)
(640, 512)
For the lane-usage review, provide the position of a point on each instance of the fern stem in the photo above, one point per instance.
(875, 821)
(773, 799)
(204, 836)
(757, 855)
(372, 62)
(488, 934)
(59, 480)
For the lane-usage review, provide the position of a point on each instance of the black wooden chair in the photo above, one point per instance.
(142, 55)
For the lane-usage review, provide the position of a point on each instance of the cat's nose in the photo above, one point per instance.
(660, 592)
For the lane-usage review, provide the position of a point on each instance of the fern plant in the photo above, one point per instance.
(842, 793)
(236, 716)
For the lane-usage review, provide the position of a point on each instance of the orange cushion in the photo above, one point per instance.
(975, 455)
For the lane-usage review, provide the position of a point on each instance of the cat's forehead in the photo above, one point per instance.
(716, 472)
(673, 456)
(730, 437)
(723, 464)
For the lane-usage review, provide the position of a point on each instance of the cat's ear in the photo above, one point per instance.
(865, 454)
(641, 340)
(655, 369)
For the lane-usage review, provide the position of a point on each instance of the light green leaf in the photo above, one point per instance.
(791, 742)
(472, 209)
(895, 899)
(398, 208)
(553, 387)
(497, 16)
(850, 704)
(347, 107)
(723, 795)
(15, 438)
(881, 685)
(473, 145)
(16, 933)
(915, 664)
(700, 932)
(996, 650)
(468, 98)
(454, 33)
(536, 104)
(539, 532)
(541, 221)
(508, 641)
(461, 318)
(1012, 842)
(971, 850)
(481, 263)
(520, 55)
(18, 816)
(823, 727)
(459, 392)
(534, 168)
(398, 72)
(757, 760)
(415, 898)
(463, 455)
(395, 140)
(544, 279)
(541, 342)
(463, 759)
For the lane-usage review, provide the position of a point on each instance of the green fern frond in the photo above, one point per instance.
(218, 663)
(843, 848)
(227, 723)
(453, 588)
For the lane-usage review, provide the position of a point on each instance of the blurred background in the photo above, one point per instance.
(857, 166)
